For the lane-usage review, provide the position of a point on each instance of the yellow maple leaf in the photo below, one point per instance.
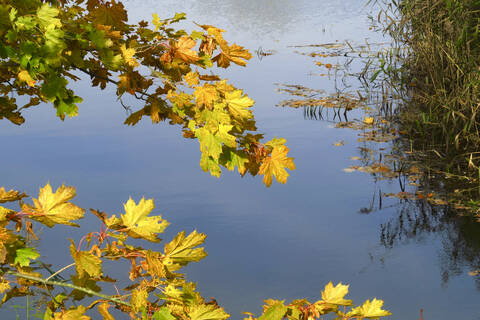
(275, 165)
(371, 310)
(335, 295)
(205, 95)
(53, 207)
(234, 53)
(183, 50)
(138, 223)
(11, 195)
(72, 314)
(128, 54)
(24, 76)
(192, 79)
(238, 105)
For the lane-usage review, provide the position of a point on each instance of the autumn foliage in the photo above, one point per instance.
(47, 44)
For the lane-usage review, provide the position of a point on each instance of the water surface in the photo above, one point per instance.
(283, 242)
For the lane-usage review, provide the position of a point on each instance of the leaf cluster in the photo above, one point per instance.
(47, 44)
(157, 289)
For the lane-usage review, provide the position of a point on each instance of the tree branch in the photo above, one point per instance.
(68, 285)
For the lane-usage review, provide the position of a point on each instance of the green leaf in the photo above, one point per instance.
(25, 255)
(47, 16)
(275, 311)
(163, 314)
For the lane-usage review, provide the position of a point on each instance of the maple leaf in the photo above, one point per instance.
(207, 163)
(11, 195)
(207, 312)
(47, 16)
(370, 310)
(335, 295)
(53, 208)
(72, 314)
(232, 158)
(139, 224)
(128, 56)
(183, 50)
(86, 262)
(103, 310)
(24, 76)
(182, 250)
(24, 255)
(191, 79)
(235, 54)
(274, 311)
(238, 105)
(275, 165)
(205, 95)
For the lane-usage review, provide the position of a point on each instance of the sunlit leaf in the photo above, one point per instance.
(138, 222)
(370, 310)
(275, 164)
(54, 207)
(335, 295)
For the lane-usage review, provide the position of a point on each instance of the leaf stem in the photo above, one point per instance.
(68, 285)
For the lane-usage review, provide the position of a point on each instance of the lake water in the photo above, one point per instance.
(283, 242)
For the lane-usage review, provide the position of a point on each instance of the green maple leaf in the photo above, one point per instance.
(276, 311)
(207, 312)
(86, 262)
(163, 314)
(139, 224)
(53, 207)
(25, 255)
(47, 16)
(182, 250)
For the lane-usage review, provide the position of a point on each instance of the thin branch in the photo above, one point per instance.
(68, 285)
(59, 271)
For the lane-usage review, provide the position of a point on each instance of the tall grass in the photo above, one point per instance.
(439, 78)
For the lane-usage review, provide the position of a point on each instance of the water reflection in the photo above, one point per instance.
(420, 200)
(460, 236)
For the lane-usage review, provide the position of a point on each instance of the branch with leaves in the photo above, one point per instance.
(158, 290)
(46, 44)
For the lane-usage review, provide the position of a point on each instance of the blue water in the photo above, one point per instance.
(282, 242)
